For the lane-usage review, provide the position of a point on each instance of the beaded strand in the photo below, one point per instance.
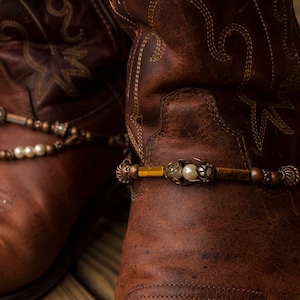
(68, 136)
(185, 172)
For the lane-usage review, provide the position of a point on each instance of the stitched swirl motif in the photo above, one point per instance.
(71, 54)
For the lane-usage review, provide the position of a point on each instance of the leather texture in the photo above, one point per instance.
(216, 80)
(59, 61)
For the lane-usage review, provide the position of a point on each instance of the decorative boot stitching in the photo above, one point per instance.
(135, 117)
(108, 28)
(160, 44)
(291, 54)
(193, 291)
(71, 55)
(220, 55)
(126, 19)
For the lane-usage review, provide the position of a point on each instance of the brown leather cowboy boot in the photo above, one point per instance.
(212, 104)
(61, 79)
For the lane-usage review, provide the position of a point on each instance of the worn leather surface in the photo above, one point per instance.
(216, 80)
(59, 60)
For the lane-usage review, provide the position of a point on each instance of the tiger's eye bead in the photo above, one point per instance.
(275, 178)
(256, 175)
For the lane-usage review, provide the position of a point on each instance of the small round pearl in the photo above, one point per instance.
(39, 150)
(29, 151)
(189, 172)
(19, 152)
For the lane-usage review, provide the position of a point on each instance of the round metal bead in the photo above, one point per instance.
(133, 171)
(88, 136)
(256, 175)
(3, 155)
(50, 149)
(19, 152)
(30, 123)
(29, 152)
(37, 124)
(74, 131)
(275, 178)
(189, 172)
(174, 171)
(46, 126)
(40, 150)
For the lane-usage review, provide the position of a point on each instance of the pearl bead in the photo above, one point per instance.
(39, 150)
(29, 151)
(189, 172)
(19, 152)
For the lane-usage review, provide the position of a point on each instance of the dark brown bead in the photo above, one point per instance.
(257, 175)
(275, 178)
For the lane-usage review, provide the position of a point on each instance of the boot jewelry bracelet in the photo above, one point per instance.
(185, 172)
(69, 136)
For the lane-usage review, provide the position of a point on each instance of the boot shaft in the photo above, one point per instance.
(219, 81)
(245, 54)
(68, 55)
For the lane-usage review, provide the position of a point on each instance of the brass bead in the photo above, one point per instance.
(30, 123)
(275, 178)
(74, 131)
(124, 172)
(88, 136)
(46, 126)
(37, 124)
(3, 155)
(256, 175)
(50, 149)
(133, 171)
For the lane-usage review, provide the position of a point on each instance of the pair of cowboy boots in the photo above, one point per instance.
(62, 90)
(212, 111)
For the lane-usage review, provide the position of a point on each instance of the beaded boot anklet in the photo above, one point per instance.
(69, 136)
(185, 172)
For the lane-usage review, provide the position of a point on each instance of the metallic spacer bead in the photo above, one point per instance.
(289, 175)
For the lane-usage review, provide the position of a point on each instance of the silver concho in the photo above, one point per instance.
(289, 175)
(122, 171)
(206, 171)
